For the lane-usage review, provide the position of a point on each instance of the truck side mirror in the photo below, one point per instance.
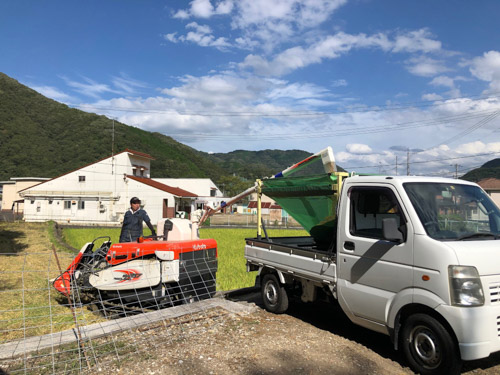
(390, 230)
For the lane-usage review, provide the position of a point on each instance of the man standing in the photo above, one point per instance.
(132, 222)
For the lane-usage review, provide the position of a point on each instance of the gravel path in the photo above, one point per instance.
(309, 339)
(260, 343)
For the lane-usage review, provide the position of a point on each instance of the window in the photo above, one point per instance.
(212, 192)
(67, 205)
(81, 205)
(81, 178)
(454, 211)
(369, 206)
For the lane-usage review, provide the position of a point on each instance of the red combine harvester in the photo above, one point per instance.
(173, 268)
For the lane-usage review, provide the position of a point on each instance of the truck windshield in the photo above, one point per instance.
(455, 211)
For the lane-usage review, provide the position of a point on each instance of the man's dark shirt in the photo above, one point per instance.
(132, 225)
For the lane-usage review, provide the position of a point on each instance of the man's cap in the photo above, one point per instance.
(135, 200)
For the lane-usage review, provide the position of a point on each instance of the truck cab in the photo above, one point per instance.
(415, 258)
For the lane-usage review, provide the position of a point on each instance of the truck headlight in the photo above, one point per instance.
(465, 286)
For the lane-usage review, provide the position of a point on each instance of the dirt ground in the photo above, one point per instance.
(309, 339)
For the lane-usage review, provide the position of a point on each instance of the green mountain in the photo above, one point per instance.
(40, 137)
(490, 169)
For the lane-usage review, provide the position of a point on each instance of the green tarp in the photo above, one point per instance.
(310, 200)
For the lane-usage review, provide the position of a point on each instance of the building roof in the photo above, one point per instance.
(138, 153)
(30, 178)
(158, 185)
(490, 184)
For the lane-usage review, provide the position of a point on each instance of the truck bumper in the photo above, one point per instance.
(476, 328)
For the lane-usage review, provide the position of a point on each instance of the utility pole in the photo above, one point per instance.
(113, 139)
(456, 171)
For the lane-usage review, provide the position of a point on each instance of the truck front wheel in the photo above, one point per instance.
(274, 294)
(428, 346)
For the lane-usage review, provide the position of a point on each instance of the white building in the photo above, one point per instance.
(208, 194)
(99, 193)
(11, 200)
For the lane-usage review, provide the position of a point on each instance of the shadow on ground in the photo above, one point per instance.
(9, 242)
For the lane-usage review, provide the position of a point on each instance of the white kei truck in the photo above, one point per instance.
(415, 258)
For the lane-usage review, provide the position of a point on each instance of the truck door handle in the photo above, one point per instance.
(348, 245)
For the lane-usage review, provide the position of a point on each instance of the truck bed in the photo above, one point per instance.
(295, 256)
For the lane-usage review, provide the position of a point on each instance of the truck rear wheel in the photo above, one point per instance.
(274, 294)
(429, 347)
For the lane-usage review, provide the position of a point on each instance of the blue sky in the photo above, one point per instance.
(372, 79)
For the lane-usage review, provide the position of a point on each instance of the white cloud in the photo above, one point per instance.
(478, 147)
(439, 161)
(443, 81)
(425, 66)
(200, 29)
(172, 37)
(127, 85)
(121, 85)
(205, 9)
(416, 41)
(182, 14)
(487, 68)
(264, 23)
(53, 93)
(217, 90)
(339, 83)
(90, 88)
(357, 148)
(202, 8)
(202, 36)
(431, 97)
(334, 46)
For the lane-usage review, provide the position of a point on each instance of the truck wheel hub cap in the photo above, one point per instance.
(424, 344)
(271, 293)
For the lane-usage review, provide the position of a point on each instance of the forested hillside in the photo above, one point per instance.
(490, 169)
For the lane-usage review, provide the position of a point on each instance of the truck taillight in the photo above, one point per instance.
(465, 286)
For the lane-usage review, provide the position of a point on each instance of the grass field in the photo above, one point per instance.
(29, 305)
(230, 243)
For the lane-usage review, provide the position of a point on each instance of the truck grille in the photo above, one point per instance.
(495, 293)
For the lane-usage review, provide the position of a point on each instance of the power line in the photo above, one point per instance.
(338, 133)
(429, 161)
(469, 130)
(289, 113)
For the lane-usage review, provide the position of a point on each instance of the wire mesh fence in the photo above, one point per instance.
(59, 319)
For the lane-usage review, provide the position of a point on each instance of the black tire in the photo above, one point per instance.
(428, 346)
(274, 294)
